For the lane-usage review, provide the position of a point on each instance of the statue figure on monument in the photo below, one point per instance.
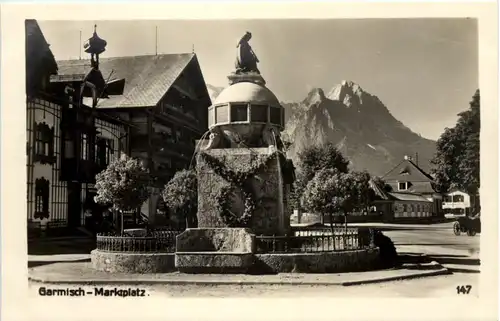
(246, 60)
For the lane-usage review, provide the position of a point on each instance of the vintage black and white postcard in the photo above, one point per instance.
(202, 160)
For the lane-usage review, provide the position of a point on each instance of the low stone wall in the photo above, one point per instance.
(113, 262)
(206, 262)
(213, 262)
(327, 262)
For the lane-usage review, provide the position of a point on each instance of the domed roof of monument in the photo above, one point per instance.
(247, 92)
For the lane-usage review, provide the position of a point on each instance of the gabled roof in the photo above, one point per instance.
(408, 197)
(407, 171)
(378, 190)
(37, 46)
(147, 78)
(40, 62)
(395, 196)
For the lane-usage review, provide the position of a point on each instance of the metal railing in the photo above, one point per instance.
(316, 241)
(160, 241)
(315, 231)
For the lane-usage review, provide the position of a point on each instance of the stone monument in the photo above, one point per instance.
(244, 176)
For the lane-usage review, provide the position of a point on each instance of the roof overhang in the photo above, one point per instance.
(113, 87)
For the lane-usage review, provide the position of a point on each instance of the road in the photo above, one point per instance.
(435, 237)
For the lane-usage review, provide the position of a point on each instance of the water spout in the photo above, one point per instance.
(281, 206)
(198, 146)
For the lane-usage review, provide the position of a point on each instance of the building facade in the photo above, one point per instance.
(409, 194)
(67, 143)
(457, 203)
(165, 99)
(65, 150)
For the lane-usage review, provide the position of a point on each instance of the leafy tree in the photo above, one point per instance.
(366, 195)
(316, 158)
(124, 184)
(456, 163)
(332, 192)
(286, 141)
(312, 160)
(382, 184)
(181, 195)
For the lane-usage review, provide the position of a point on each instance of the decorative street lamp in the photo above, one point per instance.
(94, 80)
(95, 46)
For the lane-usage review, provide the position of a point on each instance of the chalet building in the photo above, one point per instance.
(68, 143)
(409, 194)
(457, 203)
(166, 100)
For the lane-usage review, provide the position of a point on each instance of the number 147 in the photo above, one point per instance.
(464, 289)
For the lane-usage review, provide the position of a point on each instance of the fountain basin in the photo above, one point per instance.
(213, 262)
(215, 250)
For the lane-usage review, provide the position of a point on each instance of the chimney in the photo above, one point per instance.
(416, 158)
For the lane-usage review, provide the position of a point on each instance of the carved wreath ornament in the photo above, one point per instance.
(236, 179)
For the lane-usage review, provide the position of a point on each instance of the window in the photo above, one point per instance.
(458, 198)
(178, 135)
(239, 112)
(69, 145)
(44, 143)
(258, 113)
(104, 151)
(275, 115)
(403, 186)
(404, 207)
(41, 198)
(221, 114)
(84, 152)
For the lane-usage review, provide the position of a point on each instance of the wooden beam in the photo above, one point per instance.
(186, 92)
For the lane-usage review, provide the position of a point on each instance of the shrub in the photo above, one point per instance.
(388, 253)
(123, 184)
(181, 195)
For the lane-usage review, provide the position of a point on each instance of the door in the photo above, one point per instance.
(74, 204)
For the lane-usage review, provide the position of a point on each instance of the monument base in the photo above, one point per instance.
(269, 216)
(215, 250)
(213, 262)
(246, 77)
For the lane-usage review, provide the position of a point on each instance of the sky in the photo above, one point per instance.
(424, 70)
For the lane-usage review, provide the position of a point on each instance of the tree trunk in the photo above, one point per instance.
(332, 229)
(345, 230)
(121, 225)
(186, 216)
(331, 223)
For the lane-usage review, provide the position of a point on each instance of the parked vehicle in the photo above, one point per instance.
(468, 224)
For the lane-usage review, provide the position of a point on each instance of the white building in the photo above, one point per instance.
(456, 203)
